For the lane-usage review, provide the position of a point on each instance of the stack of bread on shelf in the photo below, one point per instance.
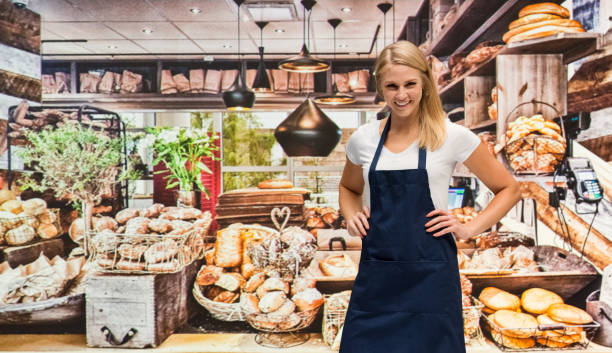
(534, 144)
(323, 218)
(23, 221)
(541, 20)
(512, 328)
(518, 259)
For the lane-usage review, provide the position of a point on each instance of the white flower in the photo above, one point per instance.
(169, 136)
(190, 133)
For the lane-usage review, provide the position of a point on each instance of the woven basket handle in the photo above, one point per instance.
(534, 102)
(283, 214)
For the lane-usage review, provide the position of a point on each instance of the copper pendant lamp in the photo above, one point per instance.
(304, 62)
(261, 82)
(336, 98)
(307, 131)
(239, 96)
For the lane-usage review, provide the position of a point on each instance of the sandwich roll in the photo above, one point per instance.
(544, 31)
(528, 27)
(497, 299)
(544, 8)
(536, 17)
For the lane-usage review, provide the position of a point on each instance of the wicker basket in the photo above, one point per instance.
(545, 337)
(123, 253)
(220, 311)
(263, 322)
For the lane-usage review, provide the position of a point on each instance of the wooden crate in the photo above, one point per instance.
(138, 311)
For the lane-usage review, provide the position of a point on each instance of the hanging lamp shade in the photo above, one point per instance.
(261, 82)
(307, 131)
(239, 96)
(304, 62)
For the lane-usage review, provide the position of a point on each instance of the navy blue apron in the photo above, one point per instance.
(407, 294)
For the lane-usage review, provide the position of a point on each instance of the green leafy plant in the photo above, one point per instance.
(181, 150)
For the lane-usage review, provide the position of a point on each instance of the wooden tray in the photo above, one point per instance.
(327, 284)
(564, 273)
(51, 311)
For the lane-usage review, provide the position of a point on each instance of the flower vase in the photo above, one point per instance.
(188, 199)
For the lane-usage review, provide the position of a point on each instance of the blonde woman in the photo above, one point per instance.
(393, 194)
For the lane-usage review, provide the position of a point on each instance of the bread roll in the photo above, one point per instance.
(498, 299)
(163, 267)
(34, 207)
(275, 184)
(272, 284)
(125, 215)
(545, 320)
(13, 206)
(301, 284)
(228, 248)
(338, 266)
(249, 303)
(209, 256)
(272, 301)
(47, 231)
(569, 314)
(254, 282)
(546, 8)
(544, 31)
(47, 217)
(513, 342)
(230, 281)
(308, 299)
(161, 226)
(518, 325)
(161, 251)
(281, 313)
(528, 27)
(537, 300)
(536, 17)
(550, 343)
(226, 297)
(211, 292)
(127, 265)
(99, 224)
(263, 321)
(131, 252)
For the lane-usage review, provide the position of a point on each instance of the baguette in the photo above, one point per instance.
(528, 27)
(544, 32)
(529, 19)
(275, 184)
(546, 8)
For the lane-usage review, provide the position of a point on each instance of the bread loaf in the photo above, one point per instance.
(528, 27)
(308, 299)
(272, 284)
(275, 184)
(230, 281)
(536, 17)
(302, 283)
(272, 301)
(254, 282)
(544, 32)
(208, 275)
(34, 207)
(544, 8)
(544, 320)
(498, 299)
(537, 300)
(250, 303)
(338, 266)
(569, 314)
(228, 248)
(518, 325)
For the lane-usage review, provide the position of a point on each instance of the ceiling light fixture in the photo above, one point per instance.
(336, 98)
(346, 9)
(304, 62)
(279, 30)
(261, 82)
(147, 30)
(112, 47)
(195, 10)
(239, 96)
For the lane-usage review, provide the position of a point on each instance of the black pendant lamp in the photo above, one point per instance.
(304, 62)
(261, 82)
(384, 7)
(336, 98)
(239, 96)
(307, 131)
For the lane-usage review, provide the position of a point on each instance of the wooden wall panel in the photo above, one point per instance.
(19, 28)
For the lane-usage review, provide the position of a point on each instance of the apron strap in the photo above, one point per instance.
(422, 158)
(381, 142)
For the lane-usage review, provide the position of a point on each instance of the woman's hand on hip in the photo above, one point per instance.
(444, 222)
(358, 224)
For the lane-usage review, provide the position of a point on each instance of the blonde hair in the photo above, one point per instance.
(432, 126)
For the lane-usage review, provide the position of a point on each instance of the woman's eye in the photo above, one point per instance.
(392, 86)
(410, 84)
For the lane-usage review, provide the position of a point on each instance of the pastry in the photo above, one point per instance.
(209, 256)
(544, 8)
(518, 325)
(211, 292)
(137, 225)
(537, 300)
(250, 303)
(127, 265)
(105, 263)
(308, 299)
(272, 301)
(47, 231)
(568, 314)
(168, 266)
(226, 297)
(29, 220)
(338, 266)
(131, 252)
(180, 227)
(228, 248)
(498, 299)
(281, 313)
(20, 235)
(262, 321)
(275, 184)
(161, 226)
(161, 251)
(34, 207)
(208, 275)
(302, 283)
(230, 281)
(254, 282)
(272, 284)
(99, 224)
(125, 215)
(190, 213)
(13, 206)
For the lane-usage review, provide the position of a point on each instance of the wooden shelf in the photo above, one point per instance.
(453, 92)
(202, 102)
(572, 46)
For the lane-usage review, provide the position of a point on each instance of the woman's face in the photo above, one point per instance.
(402, 89)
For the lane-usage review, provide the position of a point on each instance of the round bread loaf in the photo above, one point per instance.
(544, 320)
(546, 8)
(528, 27)
(249, 303)
(537, 300)
(497, 299)
(308, 299)
(13, 206)
(338, 266)
(517, 325)
(550, 343)
(513, 342)
(34, 207)
(272, 301)
(569, 314)
(533, 18)
(47, 231)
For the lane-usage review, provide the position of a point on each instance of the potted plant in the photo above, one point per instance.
(182, 151)
(76, 163)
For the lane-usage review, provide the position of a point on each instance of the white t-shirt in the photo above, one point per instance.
(459, 144)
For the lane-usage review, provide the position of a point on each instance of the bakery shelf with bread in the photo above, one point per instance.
(537, 320)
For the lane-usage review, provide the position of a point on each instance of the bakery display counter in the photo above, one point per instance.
(205, 343)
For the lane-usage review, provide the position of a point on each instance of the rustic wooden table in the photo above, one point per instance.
(201, 343)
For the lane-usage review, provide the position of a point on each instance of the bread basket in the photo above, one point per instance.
(218, 310)
(293, 322)
(535, 145)
(20, 230)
